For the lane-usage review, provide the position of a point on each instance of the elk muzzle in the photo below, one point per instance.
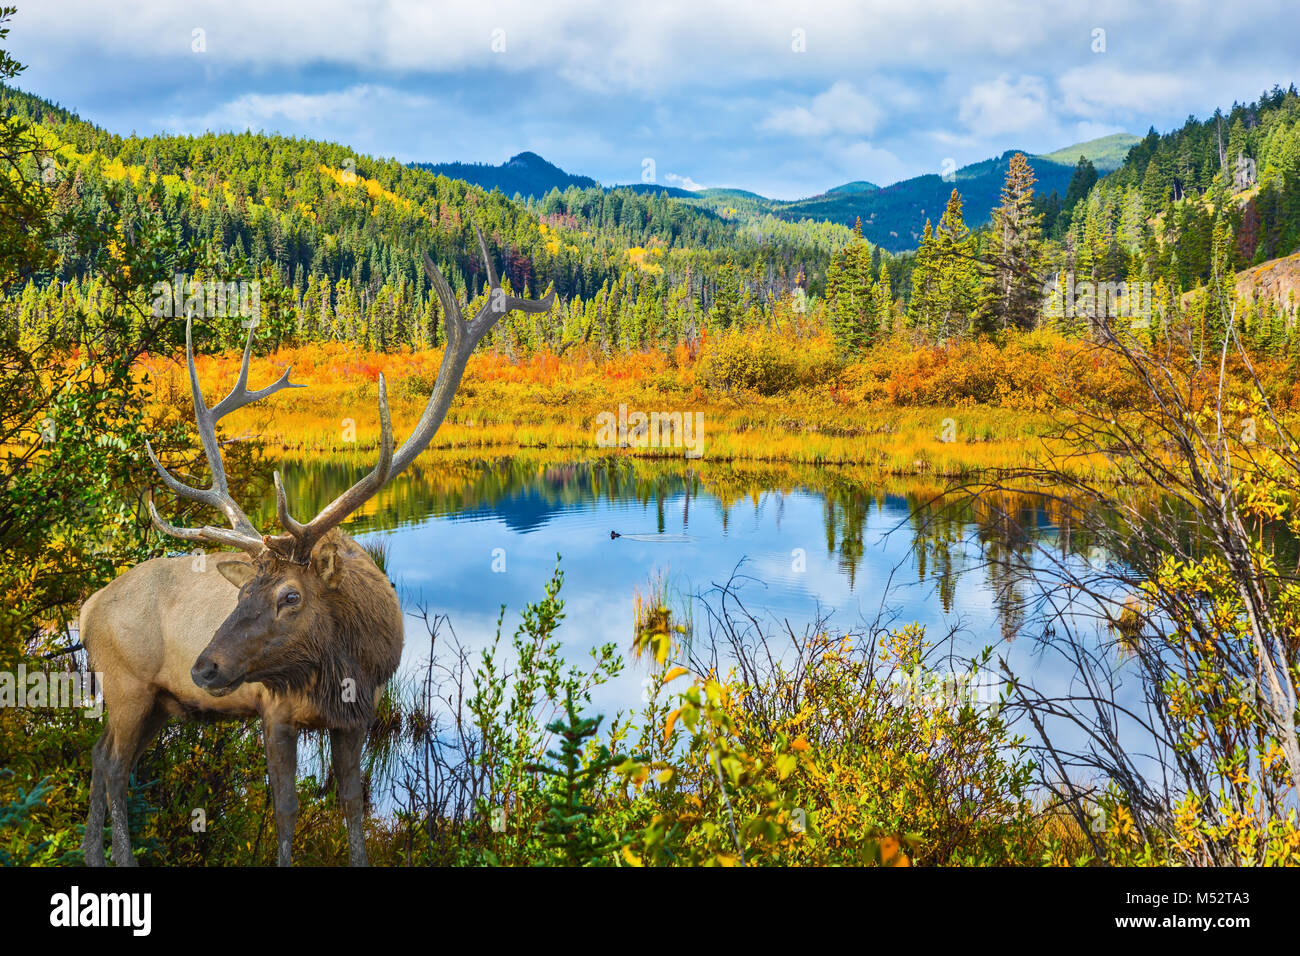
(209, 674)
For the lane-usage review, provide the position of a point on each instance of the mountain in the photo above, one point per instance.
(723, 193)
(528, 175)
(857, 186)
(337, 237)
(524, 173)
(894, 216)
(1107, 153)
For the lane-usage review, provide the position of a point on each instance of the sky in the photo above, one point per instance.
(785, 99)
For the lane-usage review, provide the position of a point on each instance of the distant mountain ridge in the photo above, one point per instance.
(524, 173)
(857, 186)
(1107, 153)
(893, 217)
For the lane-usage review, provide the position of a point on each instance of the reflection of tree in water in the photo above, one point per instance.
(1002, 536)
(845, 514)
(948, 536)
(938, 545)
(1007, 537)
(521, 488)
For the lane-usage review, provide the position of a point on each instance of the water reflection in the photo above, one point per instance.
(467, 536)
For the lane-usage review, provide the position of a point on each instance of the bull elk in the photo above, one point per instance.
(301, 629)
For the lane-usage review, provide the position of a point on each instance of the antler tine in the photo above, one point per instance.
(487, 260)
(207, 534)
(240, 395)
(462, 336)
(299, 539)
(243, 534)
(512, 303)
(453, 319)
(208, 496)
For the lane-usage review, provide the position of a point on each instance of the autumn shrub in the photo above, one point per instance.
(831, 750)
(764, 361)
(820, 762)
(1192, 610)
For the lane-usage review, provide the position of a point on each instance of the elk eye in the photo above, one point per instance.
(292, 597)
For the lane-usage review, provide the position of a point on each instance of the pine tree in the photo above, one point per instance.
(850, 297)
(570, 829)
(956, 276)
(1012, 295)
(1081, 183)
(728, 298)
(1155, 187)
(884, 301)
(921, 306)
(1236, 147)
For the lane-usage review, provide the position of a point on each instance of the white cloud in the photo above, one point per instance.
(1100, 92)
(1005, 106)
(595, 47)
(862, 160)
(1085, 130)
(704, 85)
(839, 110)
(682, 182)
(280, 111)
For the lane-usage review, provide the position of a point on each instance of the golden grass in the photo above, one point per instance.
(548, 403)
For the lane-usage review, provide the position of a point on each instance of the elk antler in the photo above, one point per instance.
(242, 534)
(299, 539)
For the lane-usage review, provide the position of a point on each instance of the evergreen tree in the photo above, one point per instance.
(921, 306)
(1011, 296)
(956, 275)
(1081, 183)
(728, 297)
(850, 297)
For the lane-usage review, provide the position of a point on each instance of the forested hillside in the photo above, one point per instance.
(335, 238)
(1174, 189)
(1184, 210)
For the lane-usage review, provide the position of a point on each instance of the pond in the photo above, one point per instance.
(465, 536)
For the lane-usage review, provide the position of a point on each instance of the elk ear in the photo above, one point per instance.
(328, 560)
(237, 573)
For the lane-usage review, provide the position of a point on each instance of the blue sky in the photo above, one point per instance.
(786, 99)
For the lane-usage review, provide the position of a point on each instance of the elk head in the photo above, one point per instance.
(309, 596)
(287, 614)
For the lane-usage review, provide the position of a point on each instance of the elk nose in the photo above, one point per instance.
(204, 671)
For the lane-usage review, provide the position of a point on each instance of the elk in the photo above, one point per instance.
(301, 628)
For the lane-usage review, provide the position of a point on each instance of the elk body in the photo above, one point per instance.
(301, 629)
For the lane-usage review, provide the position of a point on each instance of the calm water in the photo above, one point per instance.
(467, 537)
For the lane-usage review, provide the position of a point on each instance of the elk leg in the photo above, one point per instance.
(148, 731)
(345, 745)
(282, 768)
(131, 729)
(92, 843)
